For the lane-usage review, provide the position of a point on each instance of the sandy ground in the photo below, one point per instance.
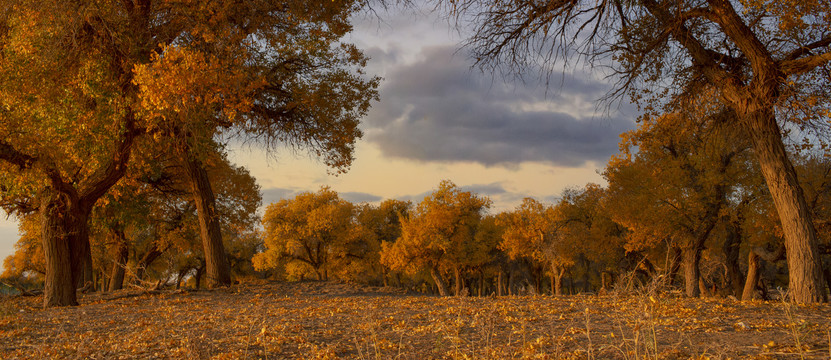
(314, 320)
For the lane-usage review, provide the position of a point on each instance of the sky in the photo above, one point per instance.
(439, 118)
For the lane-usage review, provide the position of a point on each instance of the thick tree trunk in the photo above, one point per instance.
(434, 272)
(805, 278)
(218, 269)
(692, 258)
(120, 263)
(60, 285)
(65, 239)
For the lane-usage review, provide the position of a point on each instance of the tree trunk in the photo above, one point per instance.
(805, 278)
(675, 259)
(702, 288)
(197, 279)
(499, 285)
(65, 240)
(692, 258)
(218, 269)
(559, 271)
(120, 263)
(732, 245)
(553, 286)
(60, 285)
(481, 282)
(149, 257)
(749, 292)
(434, 272)
(457, 276)
(87, 280)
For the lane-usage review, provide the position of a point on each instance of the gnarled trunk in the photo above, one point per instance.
(434, 272)
(218, 269)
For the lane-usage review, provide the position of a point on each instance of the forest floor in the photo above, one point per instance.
(313, 320)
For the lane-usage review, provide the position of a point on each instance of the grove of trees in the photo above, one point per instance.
(115, 118)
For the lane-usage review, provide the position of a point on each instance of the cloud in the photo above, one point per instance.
(438, 109)
(359, 197)
(273, 195)
(486, 189)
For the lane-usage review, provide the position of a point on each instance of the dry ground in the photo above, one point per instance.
(331, 321)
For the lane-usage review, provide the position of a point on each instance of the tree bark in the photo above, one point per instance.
(481, 282)
(434, 272)
(805, 278)
(499, 285)
(120, 263)
(200, 271)
(749, 292)
(676, 258)
(732, 245)
(60, 285)
(457, 276)
(692, 258)
(558, 280)
(218, 269)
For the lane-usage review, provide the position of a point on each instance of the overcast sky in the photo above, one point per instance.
(438, 118)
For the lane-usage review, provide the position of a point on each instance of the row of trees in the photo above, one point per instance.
(685, 193)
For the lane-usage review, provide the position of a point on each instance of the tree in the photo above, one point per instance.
(81, 81)
(305, 231)
(583, 221)
(67, 134)
(530, 234)
(384, 221)
(439, 234)
(677, 184)
(762, 58)
(272, 72)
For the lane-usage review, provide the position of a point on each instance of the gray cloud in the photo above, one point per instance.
(486, 189)
(272, 195)
(438, 109)
(359, 197)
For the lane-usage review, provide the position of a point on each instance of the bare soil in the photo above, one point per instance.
(315, 320)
